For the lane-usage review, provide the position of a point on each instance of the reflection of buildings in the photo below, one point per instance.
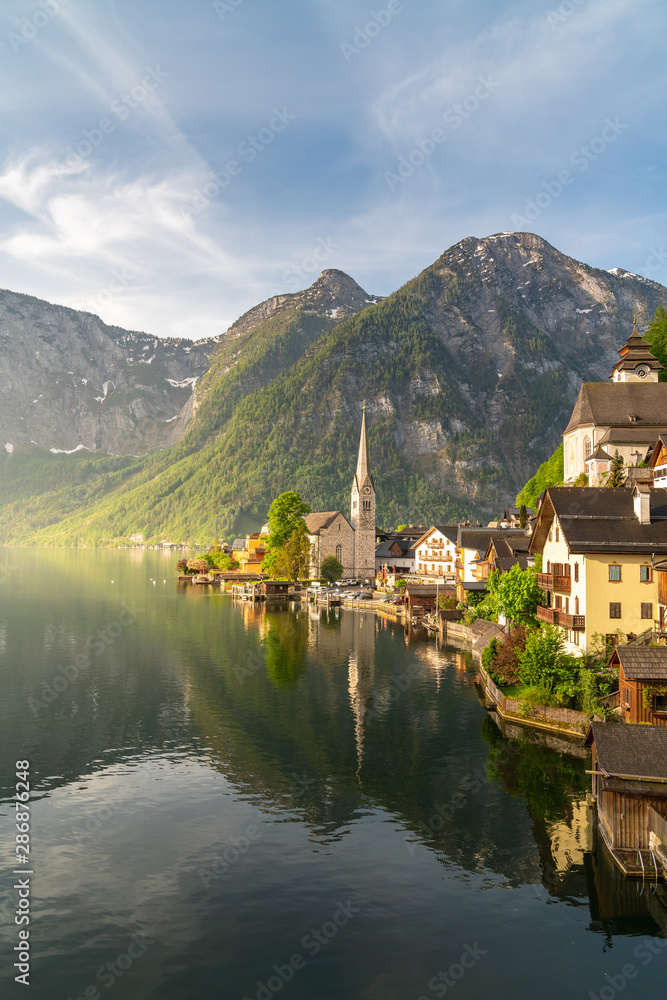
(360, 675)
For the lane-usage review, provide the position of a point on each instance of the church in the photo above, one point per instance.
(626, 415)
(351, 542)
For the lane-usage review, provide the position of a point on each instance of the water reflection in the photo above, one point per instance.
(367, 755)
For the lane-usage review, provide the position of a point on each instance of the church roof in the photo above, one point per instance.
(363, 472)
(600, 455)
(320, 521)
(635, 405)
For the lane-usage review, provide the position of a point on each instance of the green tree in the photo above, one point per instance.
(286, 515)
(516, 594)
(657, 338)
(616, 478)
(330, 570)
(523, 516)
(293, 558)
(544, 664)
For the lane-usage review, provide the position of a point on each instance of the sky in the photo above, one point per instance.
(168, 165)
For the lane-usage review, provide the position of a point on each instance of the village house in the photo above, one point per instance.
(502, 553)
(658, 461)
(629, 772)
(642, 681)
(512, 517)
(395, 556)
(626, 415)
(598, 548)
(435, 553)
(249, 553)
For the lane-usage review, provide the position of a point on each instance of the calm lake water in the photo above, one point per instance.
(229, 802)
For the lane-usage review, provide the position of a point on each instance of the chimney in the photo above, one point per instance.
(641, 496)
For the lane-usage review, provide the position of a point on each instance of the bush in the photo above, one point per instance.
(507, 666)
(545, 665)
(490, 654)
(448, 602)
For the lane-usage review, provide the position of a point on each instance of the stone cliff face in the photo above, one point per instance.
(69, 382)
(521, 323)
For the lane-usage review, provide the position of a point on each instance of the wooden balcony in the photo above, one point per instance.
(556, 616)
(547, 581)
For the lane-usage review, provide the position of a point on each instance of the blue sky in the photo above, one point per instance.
(169, 164)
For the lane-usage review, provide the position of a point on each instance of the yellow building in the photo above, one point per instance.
(249, 552)
(598, 551)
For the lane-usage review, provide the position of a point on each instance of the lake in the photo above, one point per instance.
(231, 801)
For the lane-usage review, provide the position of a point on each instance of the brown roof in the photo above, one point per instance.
(637, 434)
(642, 662)
(615, 404)
(602, 520)
(479, 538)
(629, 750)
(316, 522)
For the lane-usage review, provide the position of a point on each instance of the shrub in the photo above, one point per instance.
(506, 666)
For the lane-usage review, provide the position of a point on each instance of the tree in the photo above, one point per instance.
(516, 594)
(616, 478)
(523, 516)
(657, 338)
(330, 570)
(286, 515)
(293, 558)
(544, 664)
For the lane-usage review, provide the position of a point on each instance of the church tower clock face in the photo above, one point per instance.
(642, 371)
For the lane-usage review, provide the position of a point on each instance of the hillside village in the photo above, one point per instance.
(565, 604)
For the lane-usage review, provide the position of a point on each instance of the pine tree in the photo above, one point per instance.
(616, 477)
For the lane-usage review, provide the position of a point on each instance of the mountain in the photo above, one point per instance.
(469, 373)
(68, 381)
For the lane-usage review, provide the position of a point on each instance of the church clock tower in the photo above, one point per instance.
(363, 510)
(637, 364)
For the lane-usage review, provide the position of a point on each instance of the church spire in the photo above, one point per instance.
(363, 464)
(637, 362)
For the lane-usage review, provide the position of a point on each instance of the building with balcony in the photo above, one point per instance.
(435, 554)
(599, 551)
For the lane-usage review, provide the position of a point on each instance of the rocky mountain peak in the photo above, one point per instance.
(334, 294)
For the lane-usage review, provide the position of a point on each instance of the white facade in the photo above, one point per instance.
(435, 556)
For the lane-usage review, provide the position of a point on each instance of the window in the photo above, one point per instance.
(576, 605)
(660, 703)
(575, 638)
(588, 448)
(645, 574)
(614, 609)
(339, 553)
(367, 504)
(576, 572)
(614, 574)
(551, 537)
(548, 566)
(647, 611)
(557, 533)
(559, 601)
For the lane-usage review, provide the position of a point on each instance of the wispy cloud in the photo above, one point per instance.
(68, 218)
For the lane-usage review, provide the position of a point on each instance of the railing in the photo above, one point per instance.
(555, 616)
(549, 581)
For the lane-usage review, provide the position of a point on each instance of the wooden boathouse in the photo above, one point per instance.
(629, 769)
(642, 681)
